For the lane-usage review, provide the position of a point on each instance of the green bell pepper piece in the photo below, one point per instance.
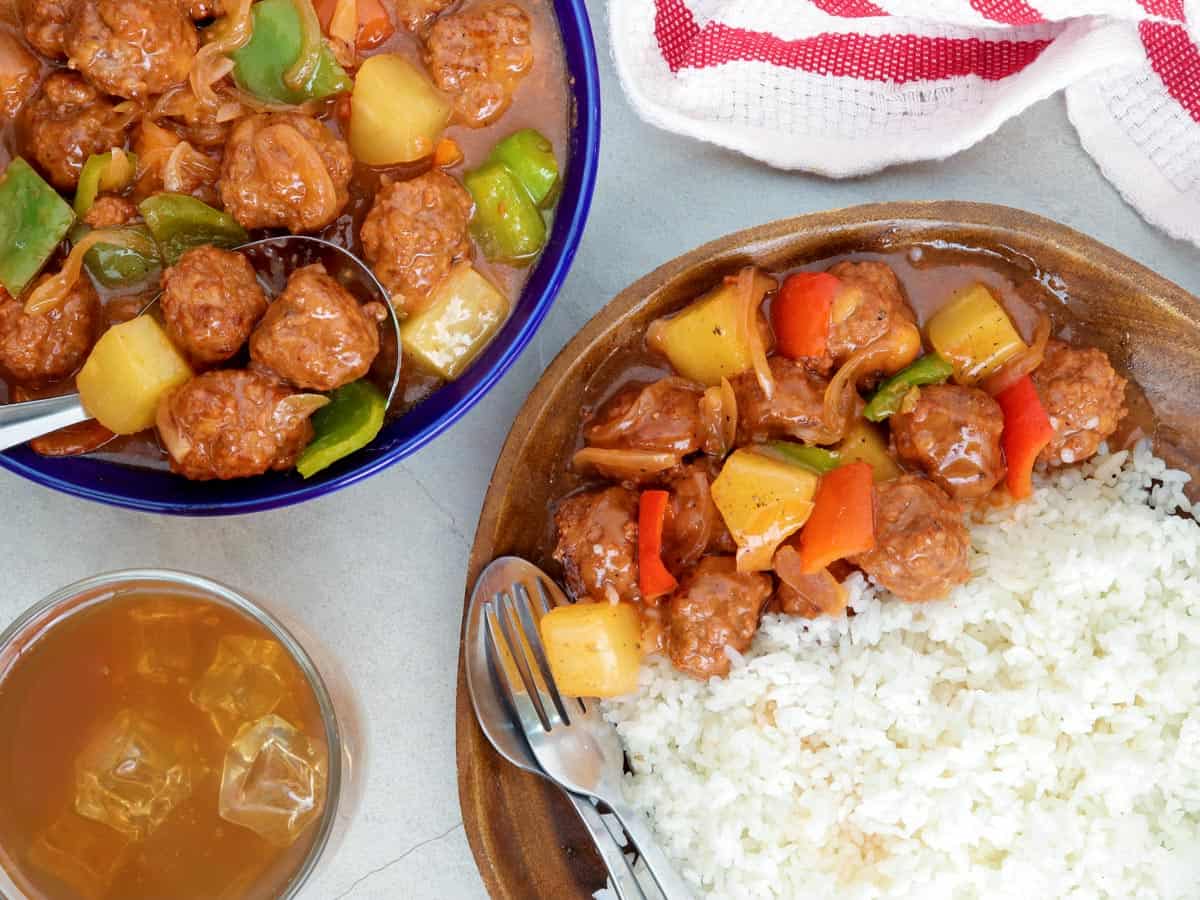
(506, 223)
(180, 222)
(33, 221)
(274, 46)
(102, 172)
(815, 459)
(930, 369)
(121, 267)
(530, 157)
(350, 422)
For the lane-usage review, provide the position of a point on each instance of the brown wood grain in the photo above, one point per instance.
(526, 839)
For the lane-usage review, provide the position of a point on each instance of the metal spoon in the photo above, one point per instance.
(492, 713)
(273, 257)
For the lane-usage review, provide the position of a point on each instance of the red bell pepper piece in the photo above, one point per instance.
(800, 314)
(843, 518)
(374, 24)
(1027, 430)
(653, 577)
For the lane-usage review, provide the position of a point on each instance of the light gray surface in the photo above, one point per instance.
(378, 570)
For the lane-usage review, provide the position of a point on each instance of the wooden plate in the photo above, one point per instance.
(526, 839)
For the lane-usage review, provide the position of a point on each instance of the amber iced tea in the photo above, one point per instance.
(157, 743)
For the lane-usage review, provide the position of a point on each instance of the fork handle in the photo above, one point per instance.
(671, 885)
(620, 873)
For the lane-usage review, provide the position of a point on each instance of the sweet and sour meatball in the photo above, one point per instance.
(109, 211)
(131, 48)
(36, 349)
(921, 542)
(18, 77)
(232, 423)
(415, 232)
(68, 122)
(478, 56)
(663, 417)
(597, 543)
(714, 607)
(316, 335)
(45, 24)
(285, 170)
(210, 303)
(796, 409)
(1085, 399)
(953, 434)
(870, 306)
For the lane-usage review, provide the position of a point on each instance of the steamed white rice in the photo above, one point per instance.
(1035, 736)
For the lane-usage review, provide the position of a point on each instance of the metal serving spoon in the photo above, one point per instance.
(492, 712)
(274, 258)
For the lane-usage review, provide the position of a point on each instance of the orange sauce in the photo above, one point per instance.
(84, 815)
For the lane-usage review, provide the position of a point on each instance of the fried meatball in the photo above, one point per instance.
(68, 122)
(232, 423)
(869, 306)
(316, 335)
(597, 543)
(36, 349)
(285, 170)
(18, 77)
(418, 15)
(109, 211)
(796, 410)
(131, 48)
(1085, 399)
(415, 232)
(921, 542)
(714, 607)
(662, 417)
(693, 525)
(478, 56)
(953, 434)
(210, 303)
(45, 24)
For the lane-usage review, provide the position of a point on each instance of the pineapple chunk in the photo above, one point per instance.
(463, 314)
(763, 501)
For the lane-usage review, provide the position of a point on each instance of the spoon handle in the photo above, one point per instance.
(21, 422)
(620, 873)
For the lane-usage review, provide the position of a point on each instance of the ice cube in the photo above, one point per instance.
(82, 854)
(132, 774)
(164, 635)
(274, 780)
(243, 684)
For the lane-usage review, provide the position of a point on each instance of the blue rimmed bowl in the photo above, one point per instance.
(163, 492)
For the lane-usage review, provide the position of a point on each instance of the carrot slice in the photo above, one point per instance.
(843, 518)
(800, 314)
(653, 577)
(1027, 430)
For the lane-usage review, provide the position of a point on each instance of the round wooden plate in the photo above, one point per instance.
(527, 841)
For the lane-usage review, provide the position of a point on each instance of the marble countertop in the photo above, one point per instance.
(378, 570)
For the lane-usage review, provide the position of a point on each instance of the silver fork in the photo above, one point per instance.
(569, 737)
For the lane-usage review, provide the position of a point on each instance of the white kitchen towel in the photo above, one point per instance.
(845, 87)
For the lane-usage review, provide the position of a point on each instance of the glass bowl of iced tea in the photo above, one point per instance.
(162, 735)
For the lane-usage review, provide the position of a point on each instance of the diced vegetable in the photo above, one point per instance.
(350, 422)
(530, 157)
(624, 465)
(800, 314)
(180, 222)
(464, 313)
(843, 518)
(763, 501)
(274, 48)
(653, 578)
(815, 459)
(975, 334)
(396, 114)
(594, 649)
(33, 220)
(116, 266)
(364, 23)
(1027, 430)
(111, 171)
(865, 443)
(506, 223)
(707, 340)
(929, 369)
(128, 372)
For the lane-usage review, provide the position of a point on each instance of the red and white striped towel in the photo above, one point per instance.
(845, 87)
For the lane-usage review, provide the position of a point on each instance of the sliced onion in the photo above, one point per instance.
(625, 465)
(841, 396)
(752, 286)
(186, 160)
(719, 419)
(344, 23)
(212, 61)
(254, 104)
(298, 406)
(822, 593)
(304, 69)
(281, 150)
(174, 441)
(53, 292)
(1024, 362)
